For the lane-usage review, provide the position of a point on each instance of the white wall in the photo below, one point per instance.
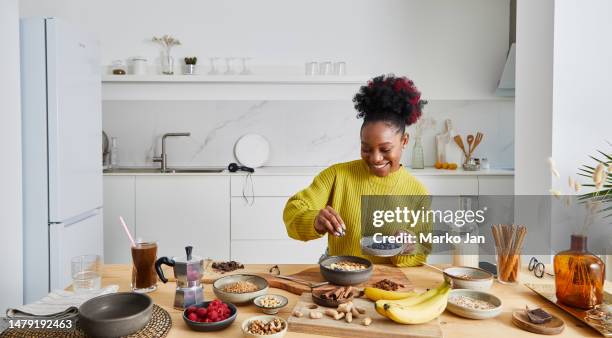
(452, 49)
(10, 170)
(582, 118)
(533, 102)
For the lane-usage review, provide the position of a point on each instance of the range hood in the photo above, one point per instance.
(505, 87)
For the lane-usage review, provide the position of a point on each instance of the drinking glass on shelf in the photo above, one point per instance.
(85, 272)
(325, 68)
(229, 67)
(213, 67)
(144, 277)
(245, 69)
(340, 68)
(312, 68)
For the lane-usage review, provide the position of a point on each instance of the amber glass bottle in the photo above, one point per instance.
(579, 275)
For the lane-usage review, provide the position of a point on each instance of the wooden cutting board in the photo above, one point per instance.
(313, 275)
(381, 327)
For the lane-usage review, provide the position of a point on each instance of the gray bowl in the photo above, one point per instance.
(345, 277)
(239, 298)
(115, 314)
(216, 326)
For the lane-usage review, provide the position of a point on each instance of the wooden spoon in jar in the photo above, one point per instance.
(470, 141)
(459, 142)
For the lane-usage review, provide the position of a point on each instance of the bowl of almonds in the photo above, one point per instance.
(270, 304)
(264, 326)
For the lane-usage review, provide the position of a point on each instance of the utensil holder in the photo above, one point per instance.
(508, 266)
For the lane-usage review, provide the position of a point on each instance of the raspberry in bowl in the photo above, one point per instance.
(210, 316)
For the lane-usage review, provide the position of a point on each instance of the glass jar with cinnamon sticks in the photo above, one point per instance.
(508, 244)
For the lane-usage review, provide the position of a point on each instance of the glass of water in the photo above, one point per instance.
(86, 274)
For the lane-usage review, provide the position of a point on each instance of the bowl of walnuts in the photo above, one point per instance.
(264, 326)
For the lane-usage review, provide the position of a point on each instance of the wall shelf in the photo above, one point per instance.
(229, 87)
(272, 79)
(250, 87)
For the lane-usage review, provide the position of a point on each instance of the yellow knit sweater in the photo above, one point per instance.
(341, 186)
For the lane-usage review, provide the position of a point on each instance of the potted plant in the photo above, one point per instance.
(190, 65)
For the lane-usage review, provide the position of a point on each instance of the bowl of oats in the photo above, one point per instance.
(473, 304)
(270, 304)
(239, 289)
(346, 270)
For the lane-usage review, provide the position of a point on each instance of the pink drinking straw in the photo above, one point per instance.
(127, 231)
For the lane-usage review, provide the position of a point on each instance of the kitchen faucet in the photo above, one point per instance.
(164, 156)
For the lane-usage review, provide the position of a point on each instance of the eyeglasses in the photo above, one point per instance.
(537, 267)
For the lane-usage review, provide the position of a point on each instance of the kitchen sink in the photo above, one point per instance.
(194, 170)
(187, 170)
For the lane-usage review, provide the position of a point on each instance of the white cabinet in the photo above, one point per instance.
(284, 251)
(496, 185)
(258, 231)
(438, 185)
(261, 220)
(177, 211)
(210, 213)
(119, 199)
(279, 186)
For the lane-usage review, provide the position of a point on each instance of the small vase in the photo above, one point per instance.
(417, 155)
(167, 62)
(189, 70)
(579, 275)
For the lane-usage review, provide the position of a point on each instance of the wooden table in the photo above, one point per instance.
(513, 298)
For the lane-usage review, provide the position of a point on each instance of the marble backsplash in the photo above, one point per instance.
(301, 133)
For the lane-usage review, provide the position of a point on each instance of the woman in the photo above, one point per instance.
(332, 203)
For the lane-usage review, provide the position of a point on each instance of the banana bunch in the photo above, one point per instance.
(410, 307)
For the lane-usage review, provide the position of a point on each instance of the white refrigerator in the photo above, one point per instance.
(62, 169)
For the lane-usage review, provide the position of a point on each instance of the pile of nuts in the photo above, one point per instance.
(389, 285)
(240, 287)
(259, 327)
(224, 267)
(348, 311)
(269, 302)
(347, 266)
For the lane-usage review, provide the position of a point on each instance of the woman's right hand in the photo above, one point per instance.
(328, 220)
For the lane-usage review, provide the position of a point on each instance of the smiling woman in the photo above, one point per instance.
(332, 203)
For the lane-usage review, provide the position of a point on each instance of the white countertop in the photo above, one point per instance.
(312, 171)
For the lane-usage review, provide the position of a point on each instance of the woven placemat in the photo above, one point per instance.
(157, 327)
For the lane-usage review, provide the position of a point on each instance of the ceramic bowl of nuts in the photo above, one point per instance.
(465, 277)
(473, 304)
(270, 304)
(264, 326)
(346, 270)
(240, 289)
